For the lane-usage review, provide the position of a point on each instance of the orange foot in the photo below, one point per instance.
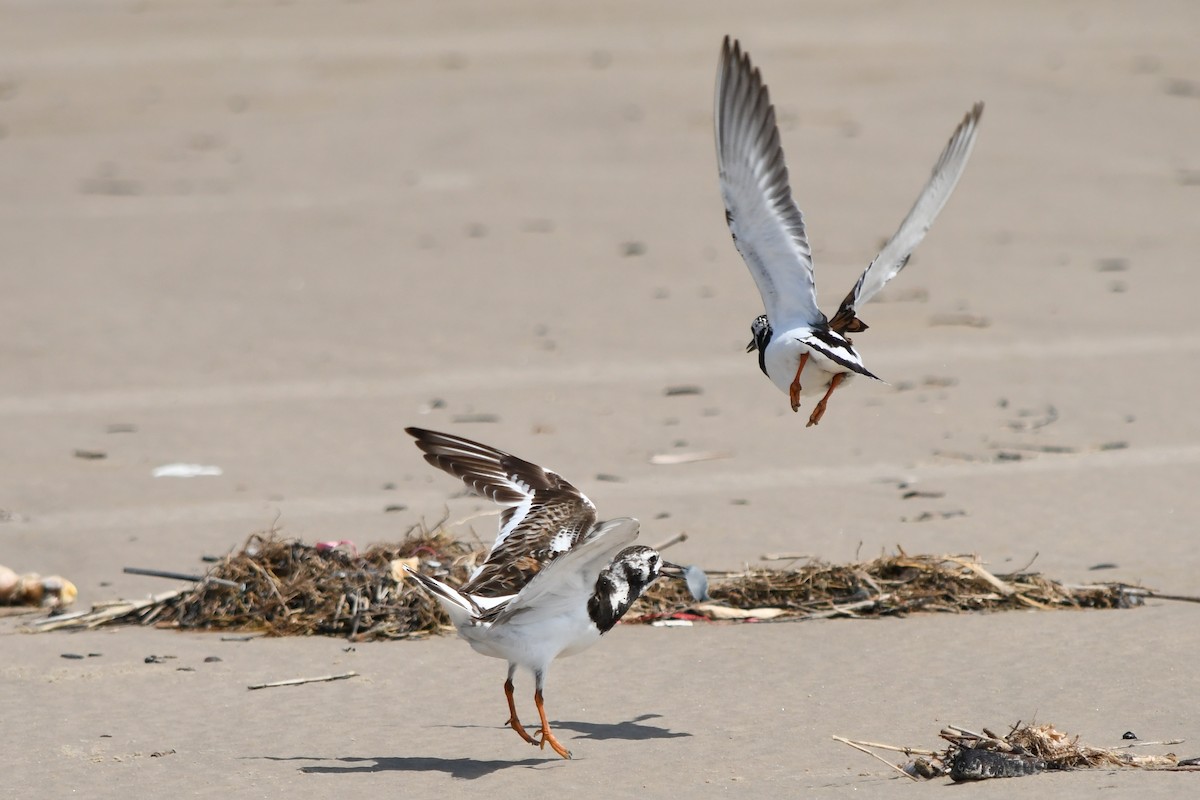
(794, 389)
(547, 736)
(819, 411)
(513, 721)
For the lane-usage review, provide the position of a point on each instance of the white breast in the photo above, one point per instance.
(783, 357)
(534, 640)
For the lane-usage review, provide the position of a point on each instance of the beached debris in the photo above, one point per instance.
(282, 587)
(890, 585)
(31, 589)
(1024, 750)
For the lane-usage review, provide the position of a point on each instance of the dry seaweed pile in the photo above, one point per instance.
(285, 588)
(282, 587)
(1025, 750)
(890, 585)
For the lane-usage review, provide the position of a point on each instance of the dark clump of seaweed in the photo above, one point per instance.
(282, 587)
(291, 588)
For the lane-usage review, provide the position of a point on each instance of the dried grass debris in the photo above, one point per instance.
(282, 587)
(890, 585)
(294, 589)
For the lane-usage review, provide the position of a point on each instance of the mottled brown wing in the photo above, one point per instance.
(544, 515)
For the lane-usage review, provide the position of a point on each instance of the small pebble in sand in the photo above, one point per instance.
(683, 389)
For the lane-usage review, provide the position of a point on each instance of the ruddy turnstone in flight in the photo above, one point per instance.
(799, 349)
(554, 581)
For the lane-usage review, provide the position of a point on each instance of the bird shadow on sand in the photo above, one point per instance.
(632, 730)
(461, 768)
(470, 768)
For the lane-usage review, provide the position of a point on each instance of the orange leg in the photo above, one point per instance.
(819, 411)
(794, 389)
(547, 736)
(513, 721)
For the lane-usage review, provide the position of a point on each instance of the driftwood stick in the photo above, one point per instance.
(97, 617)
(908, 751)
(1134, 591)
(674, 540)
(978, 569)
(783, 556)
(954, 729)
(299, 681)
(1181, 597)
(182, 576)
(58, 618)
(847, 609)
(857, 746)
(1149, 744)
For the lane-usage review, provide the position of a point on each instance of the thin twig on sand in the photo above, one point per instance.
(876, 756)
(678, 538)
(299, 681)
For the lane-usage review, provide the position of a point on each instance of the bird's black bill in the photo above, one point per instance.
(673, 571)
(750, 348)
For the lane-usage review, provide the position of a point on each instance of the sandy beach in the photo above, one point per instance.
(267, 236)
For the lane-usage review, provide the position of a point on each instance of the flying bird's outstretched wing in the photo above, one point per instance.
(767, 226)
(894, 255)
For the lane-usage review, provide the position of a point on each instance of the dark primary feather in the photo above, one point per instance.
(544, 516)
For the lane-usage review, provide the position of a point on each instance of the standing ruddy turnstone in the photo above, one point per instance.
(554, 581)
(800, 350)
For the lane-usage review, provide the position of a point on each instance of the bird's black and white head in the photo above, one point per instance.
(761, 332)
(623, 581)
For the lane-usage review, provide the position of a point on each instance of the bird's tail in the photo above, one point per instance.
(460, 608)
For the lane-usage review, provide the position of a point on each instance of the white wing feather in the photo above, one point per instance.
(767, 227)
(894, 255)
